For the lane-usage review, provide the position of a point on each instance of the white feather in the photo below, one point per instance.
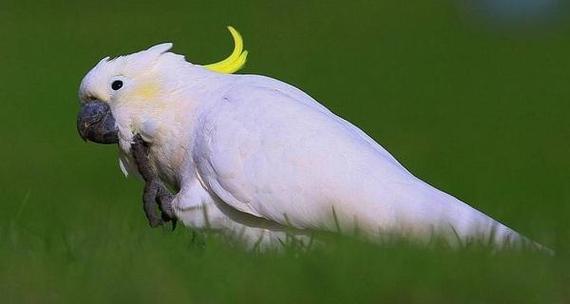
(269, 150)
(260, 154)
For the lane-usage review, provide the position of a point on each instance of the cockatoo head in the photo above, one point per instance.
(118, 93)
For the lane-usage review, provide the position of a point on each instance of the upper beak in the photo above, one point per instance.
(96, 123)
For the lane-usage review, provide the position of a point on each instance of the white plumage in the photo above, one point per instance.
(249, 154)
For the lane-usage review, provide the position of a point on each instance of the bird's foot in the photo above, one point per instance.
(164, 199)
(155, 193)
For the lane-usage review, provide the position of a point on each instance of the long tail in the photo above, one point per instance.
(468, 224)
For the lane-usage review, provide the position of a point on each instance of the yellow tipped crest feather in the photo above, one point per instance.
(237, 58)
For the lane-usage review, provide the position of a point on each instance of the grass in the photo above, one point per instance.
(482, 114)
(135, 265)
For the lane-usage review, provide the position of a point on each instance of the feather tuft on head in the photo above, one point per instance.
(237, 58)
(160, 48)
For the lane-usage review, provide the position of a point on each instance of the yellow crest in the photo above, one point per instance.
(237, 58)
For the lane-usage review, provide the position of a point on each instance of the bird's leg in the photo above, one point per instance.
(140, 153)
(149, 203)
(154, 191)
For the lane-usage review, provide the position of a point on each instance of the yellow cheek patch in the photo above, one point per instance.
(235, 61)
(147, 91)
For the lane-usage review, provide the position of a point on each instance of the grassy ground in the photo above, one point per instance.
(482, 114)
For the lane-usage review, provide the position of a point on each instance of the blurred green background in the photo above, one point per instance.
(475, 108)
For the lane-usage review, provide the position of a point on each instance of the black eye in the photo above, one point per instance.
(117, 84)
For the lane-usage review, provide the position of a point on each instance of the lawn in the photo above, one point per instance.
(477, 111)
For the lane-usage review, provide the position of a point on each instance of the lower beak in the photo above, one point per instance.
(96, 123)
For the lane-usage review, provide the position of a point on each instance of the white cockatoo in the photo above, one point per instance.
(250, 154)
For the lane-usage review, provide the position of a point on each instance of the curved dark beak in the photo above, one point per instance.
(96, 123)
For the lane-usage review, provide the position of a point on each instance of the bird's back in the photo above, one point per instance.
(276, 153)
